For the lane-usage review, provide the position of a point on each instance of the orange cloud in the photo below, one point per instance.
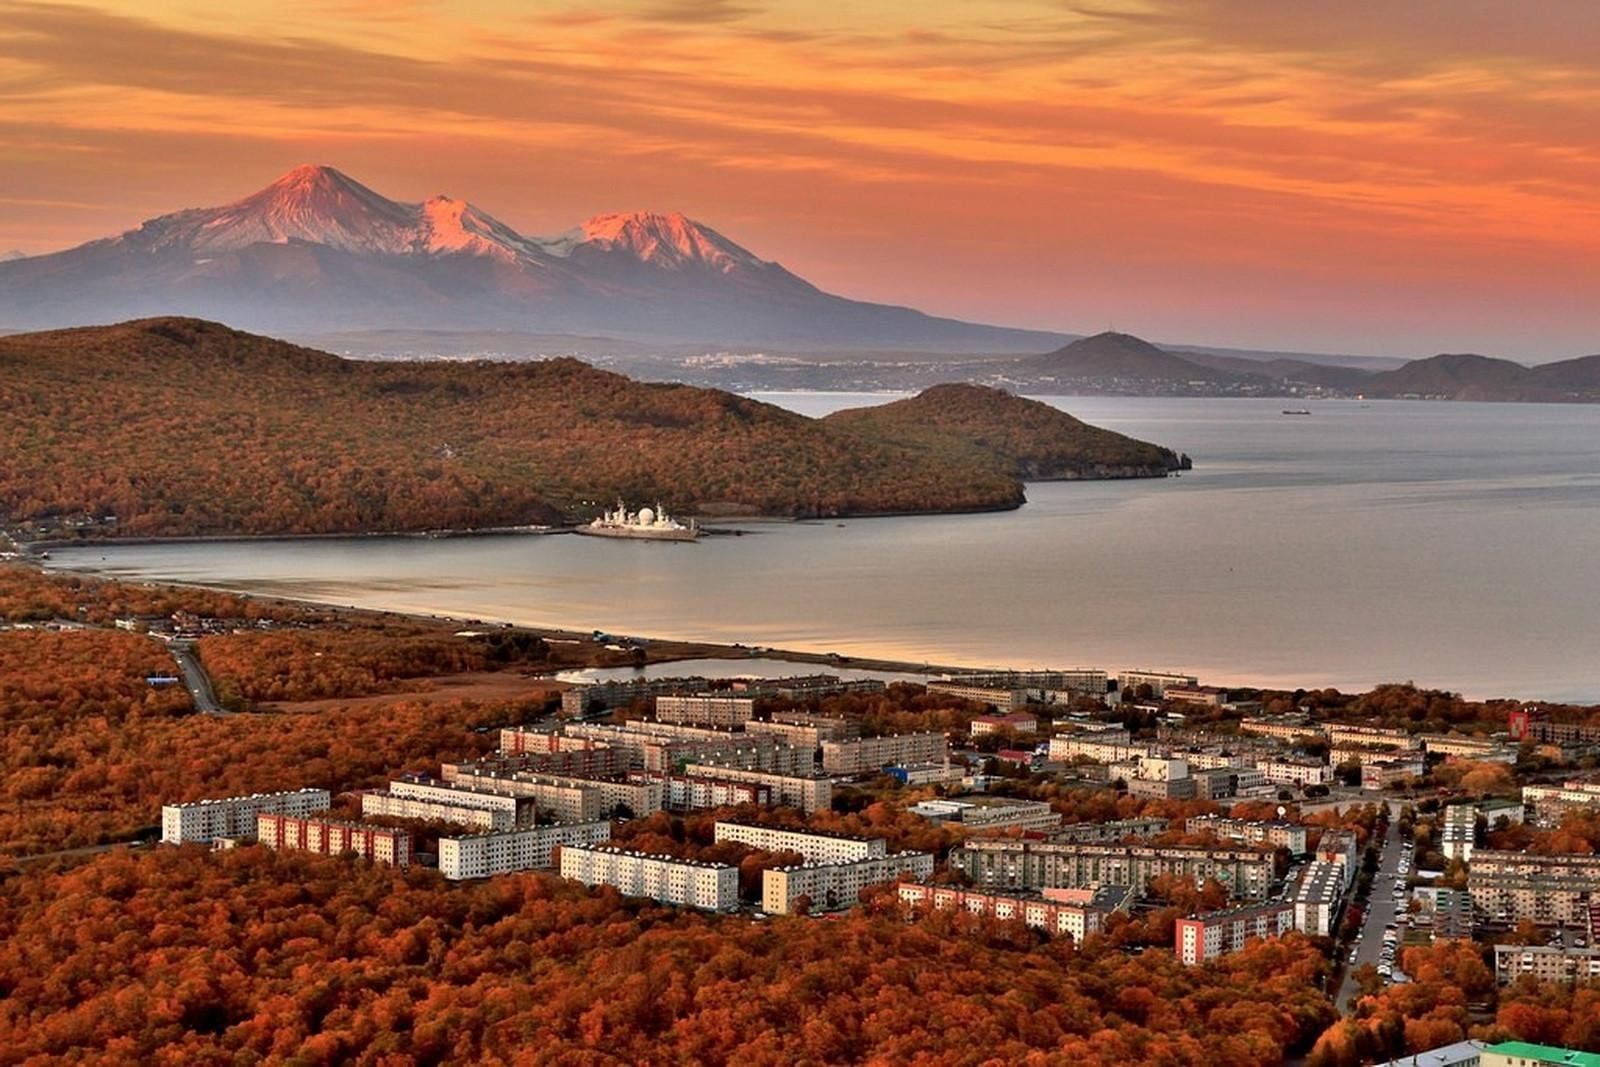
(1203, 171)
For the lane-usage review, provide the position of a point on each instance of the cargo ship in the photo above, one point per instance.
(646, 524)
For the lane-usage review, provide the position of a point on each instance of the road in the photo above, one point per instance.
(1380, 909)
(194, 676)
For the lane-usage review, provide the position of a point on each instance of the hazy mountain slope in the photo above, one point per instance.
(317, 251)
(1119, 355)
(1026, 438)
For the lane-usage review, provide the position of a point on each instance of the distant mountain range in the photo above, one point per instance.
(317, 256)
(317, 251)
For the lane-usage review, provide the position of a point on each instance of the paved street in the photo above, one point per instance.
(194, 676)
(1380, 909)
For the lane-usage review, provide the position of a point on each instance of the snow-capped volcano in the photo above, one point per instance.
(318, 251)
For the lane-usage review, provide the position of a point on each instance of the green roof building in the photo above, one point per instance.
(1523, 1054)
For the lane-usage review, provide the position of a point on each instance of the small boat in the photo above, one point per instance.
(1297, 411)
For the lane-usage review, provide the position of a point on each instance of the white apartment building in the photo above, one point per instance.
(1295, 771)
(706, 709)
(1279, 833)
(1217, 933)
(712, 886)
(1284, 728)
(813, 847)
(1090, 746)
(1316, 898)
(1342, 733)
(381, 802)
(1549, 803)
(994, 697)
(203, 820)
(1053, 917)
(499, 852)
(831, 886)
(807, 794)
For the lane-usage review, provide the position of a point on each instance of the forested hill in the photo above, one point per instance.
(181, 427)
(1025, 438)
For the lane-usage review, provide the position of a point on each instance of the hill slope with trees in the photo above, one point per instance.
(963, 424)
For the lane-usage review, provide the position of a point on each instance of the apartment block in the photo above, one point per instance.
(557, 798)
(332, 837)
(1390, 772)
(1512, 886)
(502, 851)
(1549, 804)
(831, 886)
(863, 754)
(1092, 746)
(991, 813)
(1158, 681)
(1341, 848)
(1532, 723)
(512, 810)
(1216, 933)
(1283, 727)
(1343, 733)
(1003, 700)
(203, 820)
(1457, 746)
(381, 803)
(1546, 963)
(1025, 864)
(807, 735)
(1038, 912)
(1113, 831)
(809, 794)
(1316, 898)
(582, 700)
(1284, 771)
(812, 845)
(1277, 833)
(684, 792)
(706, 709)
(1037, 684)
(1016, 721)
(1205, 696)
(1162, 788)
(711, 886)
(1459, 832)
(814, 686)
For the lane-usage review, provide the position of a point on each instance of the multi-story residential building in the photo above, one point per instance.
(830, 886)
(1041, 913)
(803, 735)
(1158, 681)
(380, 803)
(1366, 755)
(1278, 833)
(1549, 804)
(705, 709)
(1090, 833)
(1547, 963)
(1247, 872)
(1531, 723)
(513, 810)
(203, 820)
(712, 886)
(603, 696)
(1016, 721)
(1202, 760)
(1162, 788)
(594, 760)
(1341, 848)
(809, 794)
(990, 813)
(332, 837)
(1447, 911)
(1001, 699)
(1402, 768)
(1460, 746)
(1459, 832)
(1316, 898)
(1216, 933)
(812, 686)
(1082, 681)
(683, 792)
(1301, 772)
(1523, 1054)
(1343, 733)
(814, 846)
(1094, 746)
(501, 851)
(1283, 727)
(1512, 886)
(567, 798)
(1205, 696)
(863, 754)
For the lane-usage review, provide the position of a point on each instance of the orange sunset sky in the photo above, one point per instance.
(1362, 176)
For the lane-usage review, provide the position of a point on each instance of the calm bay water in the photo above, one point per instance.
(1456, 545)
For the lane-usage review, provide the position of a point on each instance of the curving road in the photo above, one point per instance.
(194, 676)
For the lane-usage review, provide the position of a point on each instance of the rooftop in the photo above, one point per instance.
(1545, 1053)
